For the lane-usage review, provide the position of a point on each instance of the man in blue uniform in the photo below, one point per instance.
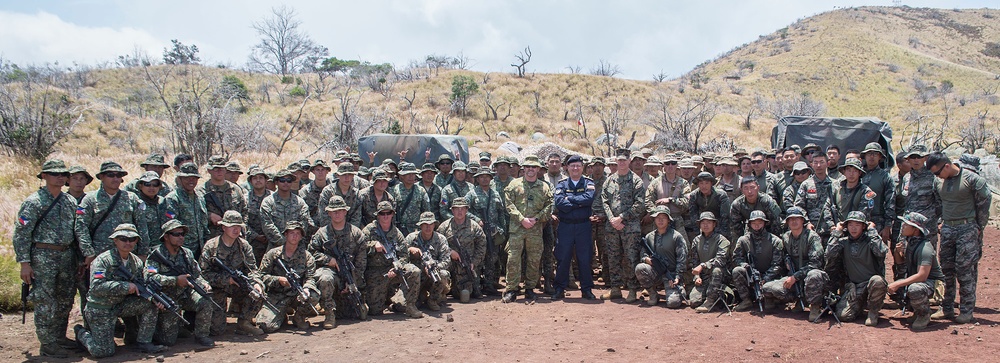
(573, 198)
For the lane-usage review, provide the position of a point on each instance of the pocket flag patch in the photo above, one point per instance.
(80, 211)
(22, 220)
(98, 274)
(171, 215)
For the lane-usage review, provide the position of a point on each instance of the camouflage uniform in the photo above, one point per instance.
(806, 254)
(769, 184)
(469, 238)
(434, 199)
(286, 298)
(411, 202)
(597, 228)
(884, 211)
(229, 196)
(861, 198)
(379, 287)
(814, 196)
(731, 188)
(189, 209)
(487, 206)
(238, 257)
(186, 298)
(109, 300)
(368, 203)
(858, 265)
(153, 217)
(922, 197)
(449, 192)
(965, 202)
(153, 159)
(768, 258)
(526, 200)
(54, 266)
(711, 253)
(788, 196)
(324, 244)
(276, 212)
(310, 193)
(672, 246)
(94, 238)
(678, 191)
(623, 197)
(351, 197)
(255, 225)
(741, 210)
(439, 252)
(902, 192)
(717, 202)
(920, 252)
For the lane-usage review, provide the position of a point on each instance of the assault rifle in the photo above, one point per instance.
(25, 290)
(243, 281)
(755, 280)
(390, 254)
(295, 280)
(465, 259)
(152, 291)
(347, 272)
(661, 266)
(798, 283)
(182, 270)
(901, 297)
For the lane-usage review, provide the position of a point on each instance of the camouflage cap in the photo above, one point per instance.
(810, 147)
(704, 176)
(967, 161)
(426, 218)
(428, 167)
(341, 155)
(483, 171)
(686, 164)
(380, 174)
(514, 161)
(444, 157)
(216, 162)
(170, 226)
(612, 162)
(918, 150)
(653, 161)
(459, 166)
(459, 203)
(726, 160)
(873, 147)
(853, 163)
(337, 203)
(234, 166)
(857, 216)
(646, 151)
(365, 171)
(502, 160)
(916, 220)
(255, 170)
(109, 167)
(485, 155)
(638, 155)
(697, 159)
(231, 218)
(740, 151)
(709, 156)
(473, 168)
(796, 148)
(707, 216)
(149, 176)
(320, 163)
(385, 206)
(757, 215)
(283, 173)
(53, 166)
(304, 165)
(124, 230)
(800, 165)
(598, 160)
(388, 161)
(345, 168)
(796, 212)
(155, 159)
(355, 158)
(293, 225)
(406, 168)
(189, 169)
(79, 169)
(660, 209)
(531, 160)
(295, 166)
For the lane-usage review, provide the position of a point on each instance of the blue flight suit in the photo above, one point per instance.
(572, 202)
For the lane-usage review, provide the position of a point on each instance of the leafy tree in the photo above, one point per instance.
(181, 54)
(462, 88)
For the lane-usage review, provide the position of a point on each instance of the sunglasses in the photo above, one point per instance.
(446, 163)
(386, 213)
(670, 163)
(59, 175)
(115, 175)
(177, 234)
(128, 239)
(756, 161)
(800, 172)
(285, 180)
(938, 172)
(155, 184)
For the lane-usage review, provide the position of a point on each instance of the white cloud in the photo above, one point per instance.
(44, 37)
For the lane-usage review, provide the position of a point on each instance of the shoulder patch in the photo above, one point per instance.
(142, 205)
(811, 191)
(170, 215)
(591, 187)
(870, 195)
(22, 220)
(98, 274)
(151, 269)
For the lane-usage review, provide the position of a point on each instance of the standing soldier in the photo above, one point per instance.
(488, 210)
(965, 205)
(766, 181)
(800, 172)
(280, 294)
(752, 200)
(104, 209)
(186, 204)
(282, 207)
(804, 254)
(467, 243)
(553, 174)
(370, 197)
(815, 197)
(761, 251)
(388, 268)
(672, 191)
(729, 181)
(427, 176)
(236, 254)
(429, 250)
(79, 178)
(529, 204)
(710, 257)
(149, 186)
(111, 297)
(664, 260)
(177, 276)
(708, 198)
(833, 161)
(443, 165)
(457, 187)
(155, 163)
(412, 198)
(573, 202)
(851, 194)
(43, 244)
(310, 192)
(233, 172)
(922, 269)
(220, 195)
(856, 261)
(598, 218)
(922, 196)
(337, 242)
(255, 196)
(877, 178)
(345, 188)
(622, 202)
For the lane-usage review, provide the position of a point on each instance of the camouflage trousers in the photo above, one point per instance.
(490, 269)
(813, 286)
(623, 255)
(168, 325)
(100, 338)
(741, 282)
(52, 292)
(271, 320)
(712, 283)
(961, 250)
(435, 291)
(871, 292)
(919, 295)
(461, 279)
(598, 233)
(549, 237)
(380, 289)
(649, 279)
(530, 243)
(258, 248)
(501, 269)
(329, 285)
(250, 307)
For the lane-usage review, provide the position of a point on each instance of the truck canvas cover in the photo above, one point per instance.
(845, 132)
(389, 146)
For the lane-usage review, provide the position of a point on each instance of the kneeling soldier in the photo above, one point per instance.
(288, 274)
(857, 260)
(710, 256)
(803, 262)
(388, 270)
(758, 257)
(663, 258)
(922, 269)
(177, 275)
(468, 248)
(229, 267)
(429, 250)
(112, 296)
(337, 243)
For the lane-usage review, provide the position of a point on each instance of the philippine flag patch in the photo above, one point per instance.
(171, 215)
(151, 269)
(98, 274)
(80, 211)
(22, 220)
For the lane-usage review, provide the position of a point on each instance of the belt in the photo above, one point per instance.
(49, 246)
(958, 222)
(574, 220)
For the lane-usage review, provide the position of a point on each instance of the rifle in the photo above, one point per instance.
(755, 280)
(466, 261)
(347, 271)
(244, 282)
(661, 266)
(429, 265)
(798, 284)
(25, 290)
(210, 197)
(152, 291)
(390, 254)
(295, 280)
(829, 301)
(185, 270)
(901, 297)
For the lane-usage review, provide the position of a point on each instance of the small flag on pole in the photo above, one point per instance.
(579, 121)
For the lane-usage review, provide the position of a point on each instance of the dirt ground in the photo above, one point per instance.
(588, 331)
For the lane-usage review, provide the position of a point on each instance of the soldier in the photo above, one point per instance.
(553, 174)
(155, 163)
(850, 194)
(767, 182)
(310, 193)
(922, 269)
(255, 225)
(789, 157)
(833, 168)
(810, 151)
(444, 165)
(177, 285)
(652, 167)
(804, 255)
(598, 218)
(104, 209)
(388, 267)
(573, 201)
(902, 191)
(301, 171)
(878, 179)
(235, 253)
(921, 195)
(856, 261)
(710, 256)
(467, 243)
(429, 250)
(965, 206)
(529, 204)
(282, 207)
(687, 170)
(370, 197)
(457, 187)
(220, 195)
(427, 176)
(672, 191)
(79, 178)
(815, 197)
(345, 188)
(666, 263)
(412, 198)
(622, 202)
(800, 172)
(280, 293)
(233, 172)
(753, 200)
(111, 297)
(728, 180)
(44, 247)
(761, 251)
(149, 185)
(708, 198)
(337, 241)
(487, 209)
(187, 204)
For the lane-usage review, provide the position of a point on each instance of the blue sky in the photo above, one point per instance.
(642, 38)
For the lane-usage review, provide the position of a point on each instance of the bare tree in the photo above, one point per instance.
(606, 69)
(799, 105)
(660, 77)
(978, 133)
(574, 69)
(35, 114)
(296, 126)
(442, 123)
(522, 61)
(283, 47)
(679, 124)
(614, 118)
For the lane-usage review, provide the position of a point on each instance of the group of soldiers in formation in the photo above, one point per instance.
(758, 231)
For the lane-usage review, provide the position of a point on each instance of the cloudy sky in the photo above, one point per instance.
(642, 38)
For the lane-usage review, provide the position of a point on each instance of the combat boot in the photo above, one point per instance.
(364, 312)
(612, 294)
(53, 350)
(964, 318)
(150, 348)
(872, 318)
(921, 322)
(411, 311)
(632, 296)
(300, 321)
(331, 319)
(705, 306)
(432, 305)
(815, 311)
(509, 297)
(744, 305)
(464, 295)
(943, 313)
(653, 297)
